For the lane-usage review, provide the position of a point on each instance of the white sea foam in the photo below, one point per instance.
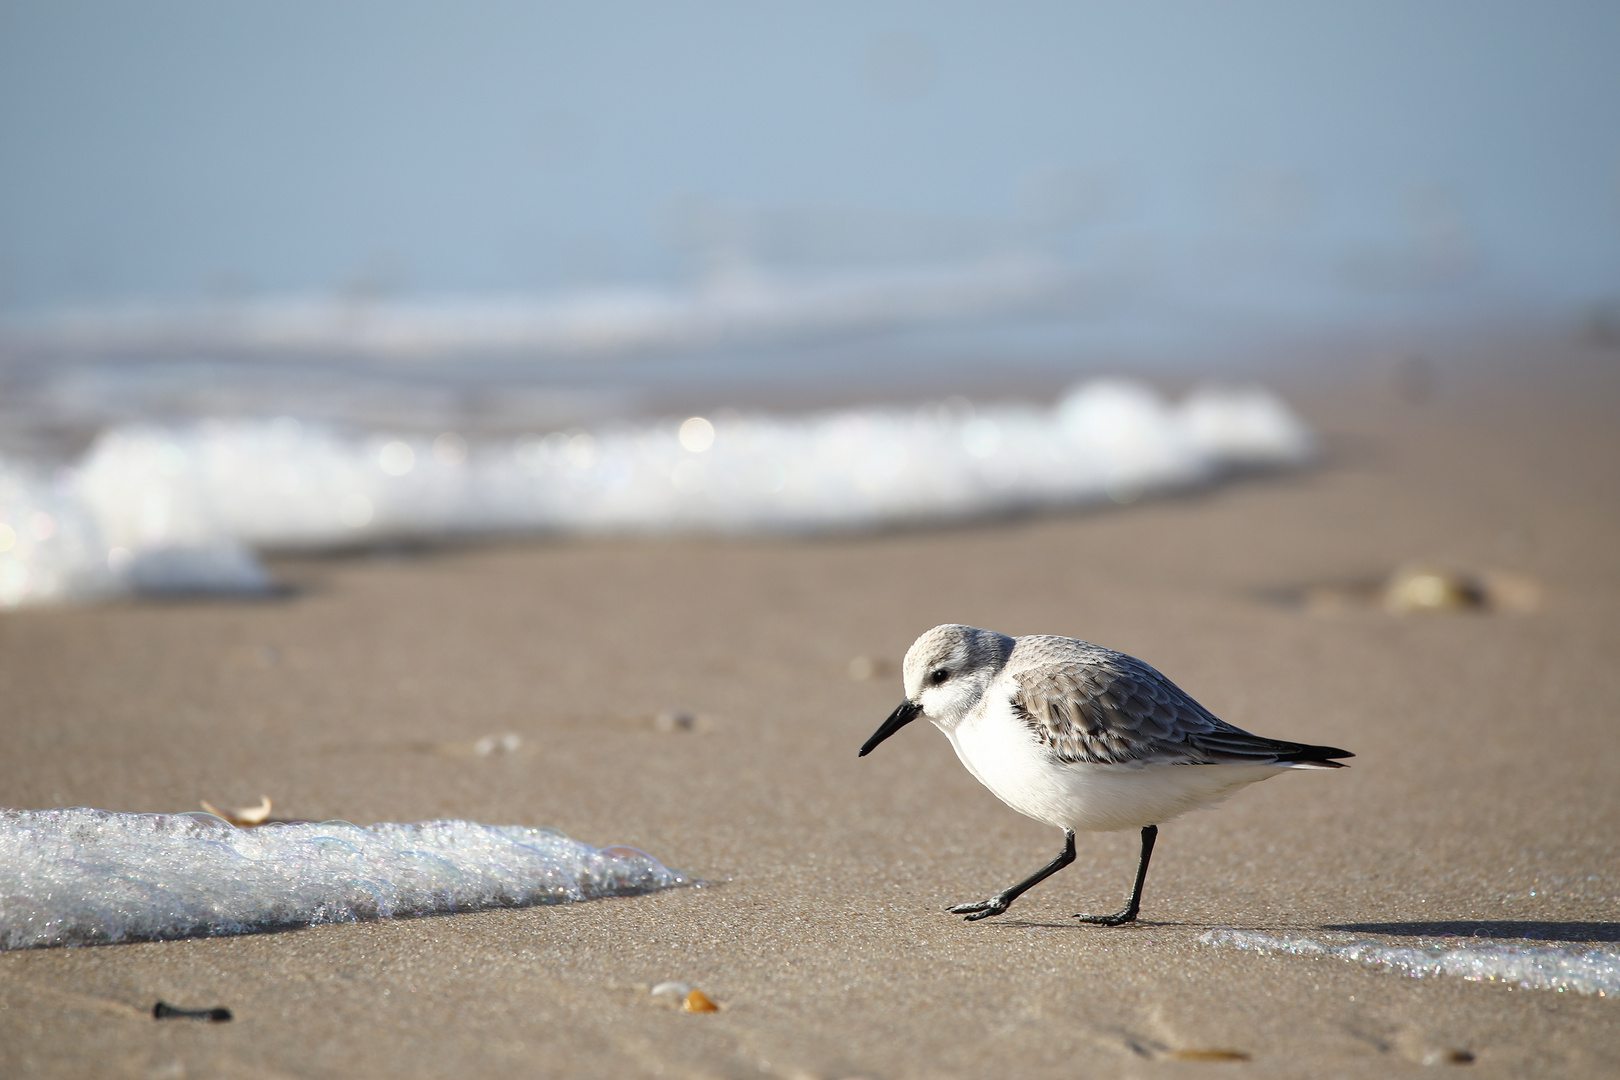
(82, 876)
(1591, 970)
(154, 508)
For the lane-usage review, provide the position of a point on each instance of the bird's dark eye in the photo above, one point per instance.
(938, 675)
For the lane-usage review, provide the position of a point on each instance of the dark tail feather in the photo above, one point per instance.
(1321, 756)
(1228, 745)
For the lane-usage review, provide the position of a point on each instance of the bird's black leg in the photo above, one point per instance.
(1150, 833)
(983, 909)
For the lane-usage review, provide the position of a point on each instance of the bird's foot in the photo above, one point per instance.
(1119, 918)
(982, 909)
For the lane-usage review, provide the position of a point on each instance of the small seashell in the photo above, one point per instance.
(1207, 1055)
(671, 994)
(1417, 588)
(1426, 589)
(698, 1002)
(672, 720)
(244, 818)
(497, 744)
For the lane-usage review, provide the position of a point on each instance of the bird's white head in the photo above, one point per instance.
(947, 671)
(949, 668)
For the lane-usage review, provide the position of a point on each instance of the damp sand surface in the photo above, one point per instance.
(699, 700)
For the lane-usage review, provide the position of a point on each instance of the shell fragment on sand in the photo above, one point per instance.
(245, 817)
(674, 994)
(698, 1002)
(1419, 589)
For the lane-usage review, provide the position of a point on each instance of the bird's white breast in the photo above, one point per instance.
(1005, 754)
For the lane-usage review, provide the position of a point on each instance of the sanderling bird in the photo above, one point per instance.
(1080, 737)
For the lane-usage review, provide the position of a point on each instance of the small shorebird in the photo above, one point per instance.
(1080, 737)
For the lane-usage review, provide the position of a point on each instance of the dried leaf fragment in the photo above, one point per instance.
(1213, 1054)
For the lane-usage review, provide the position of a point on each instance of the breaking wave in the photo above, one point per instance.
(156, 508)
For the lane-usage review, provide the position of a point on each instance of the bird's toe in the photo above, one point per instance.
(980, 909)
(1108, 920)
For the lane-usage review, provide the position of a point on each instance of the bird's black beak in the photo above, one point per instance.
(905, 714)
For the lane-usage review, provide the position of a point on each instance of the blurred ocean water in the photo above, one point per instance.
(162, 450)
(308, 276)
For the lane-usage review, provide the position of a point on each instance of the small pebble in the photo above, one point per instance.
(164, 1011)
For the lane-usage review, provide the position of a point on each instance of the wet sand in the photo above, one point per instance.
(1483, 797)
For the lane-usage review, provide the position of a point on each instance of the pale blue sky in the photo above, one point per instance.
(173, 151)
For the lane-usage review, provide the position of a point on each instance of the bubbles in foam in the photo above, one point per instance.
(158, 508)
(82, 876)
(1583, 970)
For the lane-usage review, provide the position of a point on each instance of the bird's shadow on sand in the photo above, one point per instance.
(1488, 928)
(1470, 928)
(1033, 924)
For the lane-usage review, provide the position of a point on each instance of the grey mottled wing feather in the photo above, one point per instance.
(1090, 704)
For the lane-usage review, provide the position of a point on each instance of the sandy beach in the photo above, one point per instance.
(1483, 799)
